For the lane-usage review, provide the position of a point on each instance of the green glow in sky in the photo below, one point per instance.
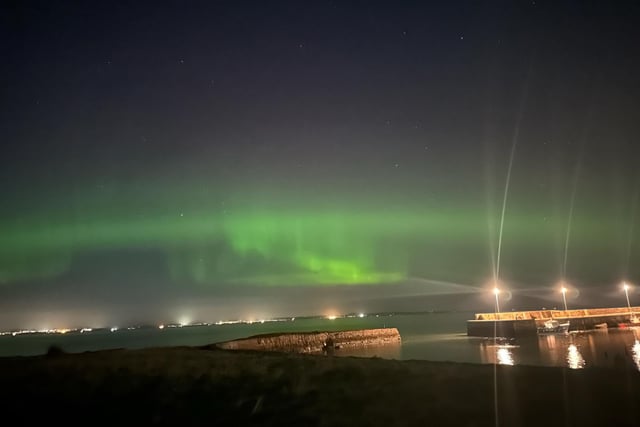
(248, 244)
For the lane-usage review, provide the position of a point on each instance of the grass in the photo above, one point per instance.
(205, 386)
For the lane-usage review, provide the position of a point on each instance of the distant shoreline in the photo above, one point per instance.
(169, 325)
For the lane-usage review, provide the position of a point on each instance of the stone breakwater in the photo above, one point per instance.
(315, 342)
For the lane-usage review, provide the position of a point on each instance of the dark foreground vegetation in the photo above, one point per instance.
(206, 386)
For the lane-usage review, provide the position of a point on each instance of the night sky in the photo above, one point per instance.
(225, 159)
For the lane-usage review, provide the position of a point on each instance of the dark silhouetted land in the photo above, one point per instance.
(208, 386)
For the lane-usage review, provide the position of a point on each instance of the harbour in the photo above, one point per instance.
(437, 336)
(516, 324)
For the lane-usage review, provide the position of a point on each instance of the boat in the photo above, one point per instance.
(552, 326)
(634, 321)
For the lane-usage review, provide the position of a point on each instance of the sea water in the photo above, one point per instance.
(425, 336)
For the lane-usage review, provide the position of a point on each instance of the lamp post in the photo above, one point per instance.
(564, 297)
(625, 286)
(496, 292)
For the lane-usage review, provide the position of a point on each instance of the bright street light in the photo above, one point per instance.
(496, 292)
(564, 297)
(626, 287)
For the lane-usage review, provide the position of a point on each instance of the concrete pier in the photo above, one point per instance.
(525, 323)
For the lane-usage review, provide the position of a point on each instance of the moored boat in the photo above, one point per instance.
(552, 326)
(634, 321)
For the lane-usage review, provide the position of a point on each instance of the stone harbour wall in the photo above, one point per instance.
(315, 342)
(523, 323)
(557, 314)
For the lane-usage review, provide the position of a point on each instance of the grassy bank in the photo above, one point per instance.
(191, 386)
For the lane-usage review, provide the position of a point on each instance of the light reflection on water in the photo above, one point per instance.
(501, 352)
(636, 353)
(603, 348)
(574, 358)
(504, 356)
(576, 350)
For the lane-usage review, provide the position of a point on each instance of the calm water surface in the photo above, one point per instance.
(427, 336)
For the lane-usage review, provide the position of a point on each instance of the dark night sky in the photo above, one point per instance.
(227, 159)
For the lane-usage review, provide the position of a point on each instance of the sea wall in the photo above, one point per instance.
(315, 342)
(557, 314)
(525, 323)
(501, 328)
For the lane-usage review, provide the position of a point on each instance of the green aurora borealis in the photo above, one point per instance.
(349, 242)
